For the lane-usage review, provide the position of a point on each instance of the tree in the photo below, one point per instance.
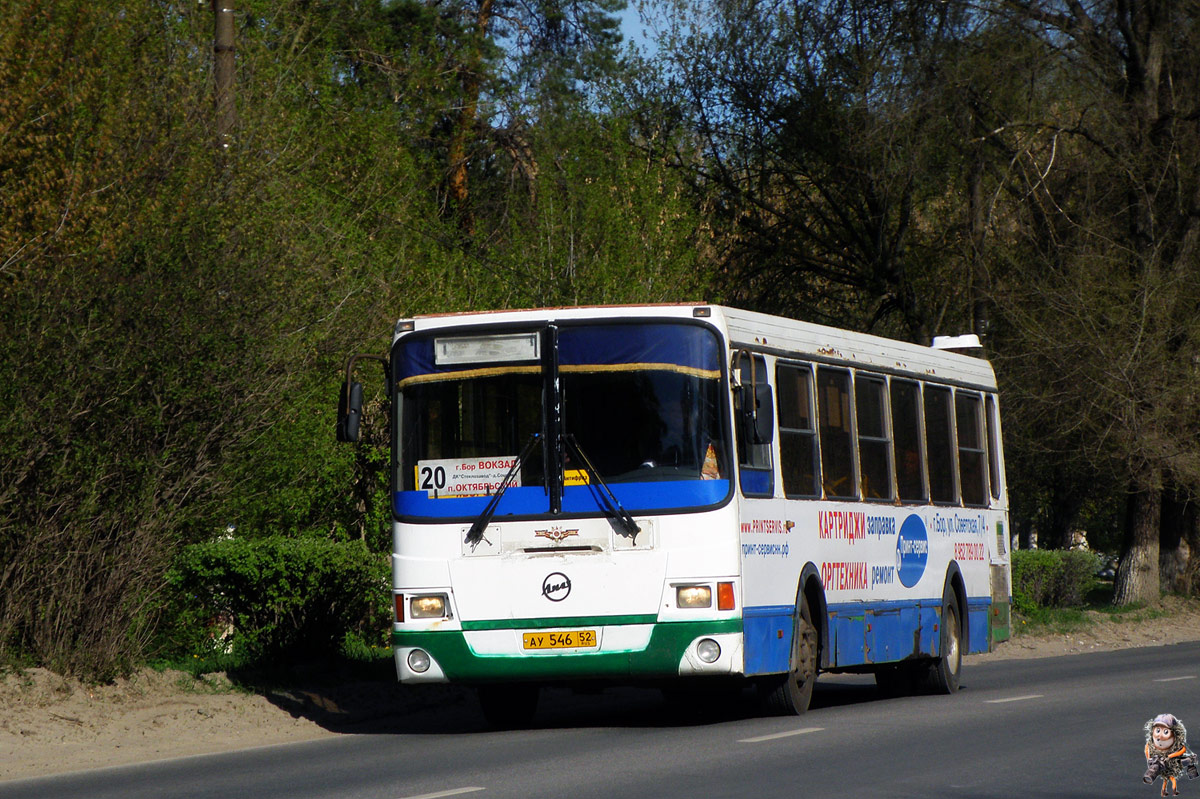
(514, 56)
(823, 136)
(1100, 286)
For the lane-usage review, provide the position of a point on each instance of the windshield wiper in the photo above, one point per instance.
(475, 534)
(624, 522)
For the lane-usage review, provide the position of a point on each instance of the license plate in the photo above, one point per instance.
(562, 639)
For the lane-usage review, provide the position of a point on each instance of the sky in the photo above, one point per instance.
(632, 28)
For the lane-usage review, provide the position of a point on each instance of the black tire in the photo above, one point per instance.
(946, 669)
(790, 694)
(509, 707)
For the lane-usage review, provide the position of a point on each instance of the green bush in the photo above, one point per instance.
(1049, 578)
(255, 599)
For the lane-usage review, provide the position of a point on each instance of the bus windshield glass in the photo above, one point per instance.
(636, 407)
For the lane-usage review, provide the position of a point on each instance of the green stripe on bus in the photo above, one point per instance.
(562, 621)
(660, 658)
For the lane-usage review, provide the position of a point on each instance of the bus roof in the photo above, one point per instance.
(757, 332)
(784, 337)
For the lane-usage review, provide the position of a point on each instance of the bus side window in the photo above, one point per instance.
(993, 447)
(756, 475)
(939, 444)
(837, 435)
(797, 431)
(906, 440)
(971, 474)
(874, 448)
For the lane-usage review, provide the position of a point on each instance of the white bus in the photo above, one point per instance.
(650, 493)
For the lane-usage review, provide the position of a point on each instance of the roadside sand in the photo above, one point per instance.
(52, 725)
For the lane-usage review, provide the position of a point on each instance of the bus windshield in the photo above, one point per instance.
(637, 407)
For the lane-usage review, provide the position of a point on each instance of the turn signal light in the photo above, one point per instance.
(725, 596)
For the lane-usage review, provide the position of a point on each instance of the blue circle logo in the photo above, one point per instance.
(912, 551)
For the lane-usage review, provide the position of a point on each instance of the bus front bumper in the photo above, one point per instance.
(622, 652)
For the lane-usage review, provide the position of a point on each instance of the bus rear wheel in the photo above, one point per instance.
(945, 671)
(510, 706)
(790, 694)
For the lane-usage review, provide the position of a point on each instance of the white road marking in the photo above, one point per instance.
(1013, 699)
(439, 794)
(773, 736)
(1175, 679)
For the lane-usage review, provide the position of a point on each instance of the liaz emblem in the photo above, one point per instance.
(555, 534)
(556, 586)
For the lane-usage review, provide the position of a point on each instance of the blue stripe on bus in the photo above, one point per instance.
(531, 500)
(859, 633)
(647, 496)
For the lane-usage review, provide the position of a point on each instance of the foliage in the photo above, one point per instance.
(1052, 578)
(278, 596)
(174, 318)
(596, 220)
(112, 419)
(1098, 297)
(824, 138)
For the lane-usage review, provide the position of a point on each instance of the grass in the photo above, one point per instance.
(1098, 605)
(212, 683)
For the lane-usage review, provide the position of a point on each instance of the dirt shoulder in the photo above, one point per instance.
(52, 725)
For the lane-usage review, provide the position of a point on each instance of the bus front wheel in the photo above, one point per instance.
(790, 694)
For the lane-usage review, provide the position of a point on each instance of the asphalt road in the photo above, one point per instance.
(1062, 727)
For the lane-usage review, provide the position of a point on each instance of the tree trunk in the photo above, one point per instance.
(1191, 584)
(472, 82)
(1025, 535)
(223, 50)
(1179, 545)
(1173, 548)
(1137, 576)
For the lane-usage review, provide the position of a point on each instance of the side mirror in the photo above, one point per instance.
(349, 411)
(763, 422)
(757, 411)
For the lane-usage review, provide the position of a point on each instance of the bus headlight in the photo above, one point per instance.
(693, 596)
(708, 650)
(432, 606)
(418, 661)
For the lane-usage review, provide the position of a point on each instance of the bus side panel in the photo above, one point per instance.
(767, 635)
(848, 629)
(978, 622)
(769, 547)
(880, 634)
(893, 634)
